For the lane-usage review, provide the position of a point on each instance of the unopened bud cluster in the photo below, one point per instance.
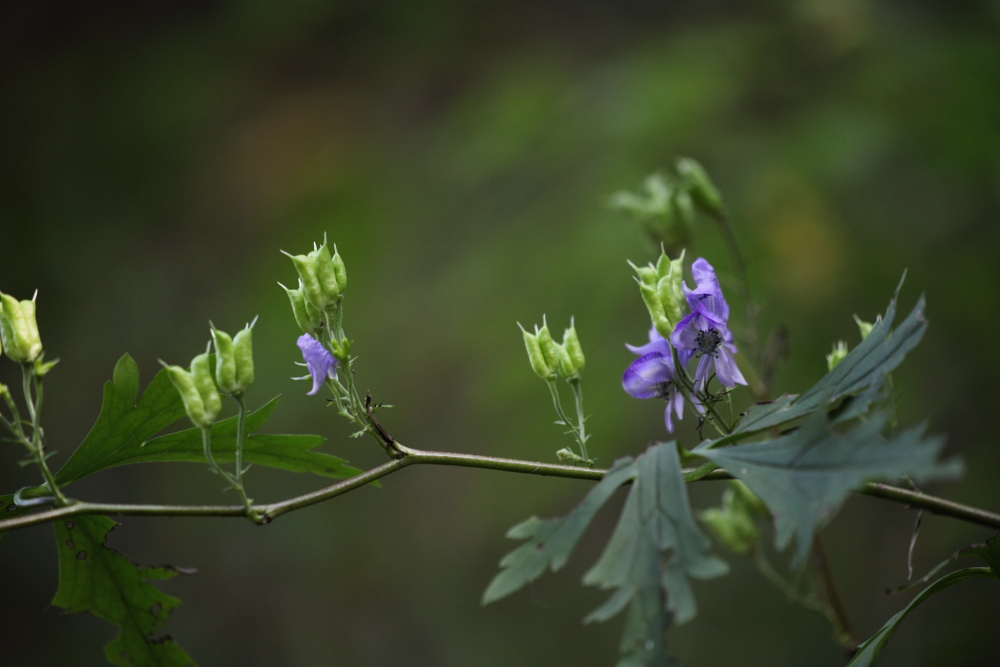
(19, 337)
(550, 359)
(201, 384)
(662, 293)
(667, 204)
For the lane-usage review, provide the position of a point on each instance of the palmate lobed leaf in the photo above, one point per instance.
(124, 430)
(989, 552)
(804, 476)
(654, 550)
(97, 579)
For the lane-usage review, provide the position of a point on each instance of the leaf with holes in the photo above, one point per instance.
(103, 582)
(804, 476)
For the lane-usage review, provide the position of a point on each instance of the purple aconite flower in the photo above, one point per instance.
(319, 361)
(652, 376)
(704, 333)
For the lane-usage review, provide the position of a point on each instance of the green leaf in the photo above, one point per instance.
(864, 368)
(804, 476)
(988, 552)
(103, 582)
(870, 649)
(286, 452)
(124, 428)
(654, 551)
(124, 422)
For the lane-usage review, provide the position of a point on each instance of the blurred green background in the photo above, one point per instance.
(156, 156)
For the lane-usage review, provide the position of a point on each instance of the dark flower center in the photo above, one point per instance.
(662, 389)
(708, 340)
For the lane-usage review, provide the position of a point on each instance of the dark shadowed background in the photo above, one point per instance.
(155, 158)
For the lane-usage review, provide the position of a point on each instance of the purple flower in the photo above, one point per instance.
(704, 333)
(319, 361)
(652, 376)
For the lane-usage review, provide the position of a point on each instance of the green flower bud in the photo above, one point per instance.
(570, 456)
(19, 330)
(535, 356)
(670, 292)
(306, 316)
(647, 274)
(243, 351)
(733, 523)
(836, 355)
(864, 327)
(201, 375)
(703, 190)
(547, 345)
(651, 298)
(571, 344)
(194, 405)
(326, 273)
(225, 361)
(340, 269)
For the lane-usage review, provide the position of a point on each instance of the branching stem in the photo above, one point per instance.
(265, 513)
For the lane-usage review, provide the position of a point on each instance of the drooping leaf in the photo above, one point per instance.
(988, 552)
(804, 476)
(861, 372)
(654, 550)
(551, 541)
(126, 420)
(286, 452)
(103, 582)
(655, 521)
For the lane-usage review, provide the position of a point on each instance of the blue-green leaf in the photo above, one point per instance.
(101, 581)
(804, 476)
(860, 375)
(654, 551)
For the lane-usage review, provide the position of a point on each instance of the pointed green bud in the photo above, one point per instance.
(306, 316)
(340, 269)
(194, 406)
(651, 298)
(836, 355)
(670, 292)
(341, 350)
(571, 344)
(547, 344)
(18, 329)
(225, 361)
(703, 190)
(535, 356)
(647, 274)
(201, 374)
(43, 367)
(864, 327)
(243, 353)
(326, 273)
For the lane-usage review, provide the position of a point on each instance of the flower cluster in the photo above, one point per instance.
(703, 334)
